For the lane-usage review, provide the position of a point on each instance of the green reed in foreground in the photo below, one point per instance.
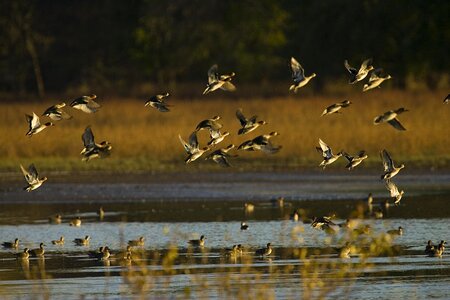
(320, 272)
(144, 139)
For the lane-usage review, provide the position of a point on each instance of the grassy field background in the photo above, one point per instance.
(146, 140)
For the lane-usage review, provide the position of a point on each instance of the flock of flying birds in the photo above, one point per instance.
(222, 156)
(262, 142)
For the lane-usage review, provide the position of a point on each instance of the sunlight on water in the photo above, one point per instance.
(71, 273)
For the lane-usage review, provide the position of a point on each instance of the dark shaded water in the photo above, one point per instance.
(168, 213)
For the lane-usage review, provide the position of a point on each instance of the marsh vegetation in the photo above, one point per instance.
(144, 139)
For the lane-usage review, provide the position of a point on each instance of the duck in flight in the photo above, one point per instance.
(394, 192)
(35, 126)
(56, 113)
(217, 81)
(91, 148)
(261, 142)
(217, 136)
(157, 102)
(298, 76)
(248, 125)
(375, 80)
(361, 73)
(192, 147)
(335, 108)
(32, 177)
(354, 161)
(327, 154)
(86, 104)
(210, 124)
(221, 156)
(391, 118)
(390, 170)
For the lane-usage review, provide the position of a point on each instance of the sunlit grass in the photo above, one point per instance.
(144, 139)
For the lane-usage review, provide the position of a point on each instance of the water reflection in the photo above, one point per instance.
(168, 226)
(207, 211)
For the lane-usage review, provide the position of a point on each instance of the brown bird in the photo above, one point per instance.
(391, 118)
(86, 104)
(138, 242)
(264, 251)
(198, 243)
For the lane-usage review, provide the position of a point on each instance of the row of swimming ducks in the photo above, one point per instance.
(324, 223)
(437, 251)
(430, 249)
(104, 252)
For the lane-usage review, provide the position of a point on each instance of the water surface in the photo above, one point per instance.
(167, 214)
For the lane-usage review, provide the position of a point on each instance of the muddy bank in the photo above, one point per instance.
(217, 186)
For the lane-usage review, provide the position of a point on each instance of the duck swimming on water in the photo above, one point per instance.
(264, 251)
(11, 245)
(198, 243)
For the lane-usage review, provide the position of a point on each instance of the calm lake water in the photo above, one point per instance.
(169, 211)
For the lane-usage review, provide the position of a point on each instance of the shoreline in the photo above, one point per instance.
(245, 186)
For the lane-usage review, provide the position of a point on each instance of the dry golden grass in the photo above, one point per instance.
(145, 139)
